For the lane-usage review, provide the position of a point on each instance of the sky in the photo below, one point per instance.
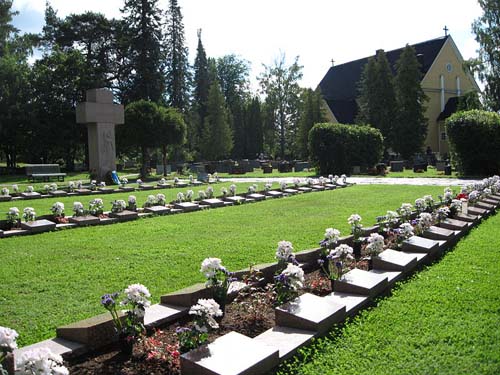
(318, 31)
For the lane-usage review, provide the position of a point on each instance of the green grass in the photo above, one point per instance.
(443, 321)
(57, 278)
(42, 206)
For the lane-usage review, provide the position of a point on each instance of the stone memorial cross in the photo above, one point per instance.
(101, 115)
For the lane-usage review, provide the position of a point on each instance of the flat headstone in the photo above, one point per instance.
(212, 202)
(352, 302)
(94, 332)
(360, 282)
(181, 185)
(392, 260)
(484, 205)
(65, 226)
(422, 258)
(437, 233)
(146, 187)
(467, 217)
(318, 187)
(5, 198)
(64, 348)
(15, 232)
(304, 189)
(417, 244)
(187, 206)
(291, 191)
(274, 194)
(107, 220)
(454, 224)
(84, 220)
(83, 191)
(176, 211)
(491, 201)
(235, 199)
(58, 193)
(126, 188)
(187, 296)
(341, 185)
(392, 276)
(196, 183)
(330, 186)
(164, 186)
(32, 195)
(160, 314)
(125, 215)
(157, 210)
(287, 340)
(477, 211)
(256, 197)
(105, 190)
(311, 313)
(38, 226)
(231, 354)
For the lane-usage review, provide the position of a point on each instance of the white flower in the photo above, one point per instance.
(151, 199)
(119, 205)
(426, 220)
(232, 189)
(344, 178)
(392, 216)
(210, 266)
(321, 180)
(405, 210)
(223, 191)
(180, 197)
(375, 244)
(78, 208)
(283, 185)
(46, 188)
(189, 195)
(210, 192)
(456, 205)
(163, 181)
(295, 275)
(296, 182)
(251, 189)
(5, 191)
(41, 362)
(284, 251)
(487, 191)
(342, 251)
(176, 180)
(57, 208)
(428, 199)
(79, 184)
(202, 195)
(29, 189)
(419, 203)
(473, 196)
(354, 220)
(443, 212)
(206, 310)
(15, 188)
(124, 180)
(14, 211)
(29, 213)
(406, 230)
(309, 181)
(132, 199)
(268, 186)
(137, 294)
(160, 198)
(8, 339)
(191, 178)
(332, 236)
(139, 182)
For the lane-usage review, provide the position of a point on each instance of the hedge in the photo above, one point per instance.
(474, 138)
(336, 148)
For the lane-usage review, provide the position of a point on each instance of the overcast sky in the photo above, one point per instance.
(315, 30)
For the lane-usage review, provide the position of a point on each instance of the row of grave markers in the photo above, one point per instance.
(297, 322)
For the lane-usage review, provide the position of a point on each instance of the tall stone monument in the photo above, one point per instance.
(101, 115)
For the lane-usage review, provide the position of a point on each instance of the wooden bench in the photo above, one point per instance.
(44, 172)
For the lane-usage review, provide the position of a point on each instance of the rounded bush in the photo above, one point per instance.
(336, 148)
(474, 138)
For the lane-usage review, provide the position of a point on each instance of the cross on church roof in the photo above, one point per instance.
(333, 62)
(446, 31)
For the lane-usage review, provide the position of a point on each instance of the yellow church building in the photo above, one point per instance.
(444, 81)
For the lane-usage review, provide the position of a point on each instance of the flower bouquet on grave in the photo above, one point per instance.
(180, 197)
(218, 280)
(118, 206)
(405, 212)
(388, 222)
(93, 185)
(232, 190)
(204, 313)
(284, 255)
(424, 222)
(132, 203)
(356, 230)
(8, 343)
(442, 213)
(429, 203)
(209, 192)
(13, 217)
(374, 247)
(202, 195)
(189, 195)
(150, 201)
(160, 199)
(15, 189)
(123, 182)
(287, 284)
(41, 361)
(78, 209)
(96, 207)
(283, 185)
(328, 243)
(57, 210)
(400, 234)
(223, 192)
(29, 214)
(4, 191)
(336, 262)
(268, 186)
(131, 325)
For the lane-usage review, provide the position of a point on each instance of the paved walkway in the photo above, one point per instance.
(371, 180)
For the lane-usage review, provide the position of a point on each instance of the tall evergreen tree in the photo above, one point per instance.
(254, 136)
(143, 36)
(217, 140)
(177, 65)
(201, 85)
(7, 30)
(280, 84)
(411, 128)
(311, 113)
(487, 30)
(377, 101)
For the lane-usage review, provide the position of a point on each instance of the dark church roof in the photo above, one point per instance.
(449, 109)
(339, 87)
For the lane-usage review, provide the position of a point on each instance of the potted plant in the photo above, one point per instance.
(8, 344)
(13, 217)
(336, 262)
(57, 210)
(356, 230)
(218, 280)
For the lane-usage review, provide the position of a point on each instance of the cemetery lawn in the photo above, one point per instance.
(443, 321)
(57, 278)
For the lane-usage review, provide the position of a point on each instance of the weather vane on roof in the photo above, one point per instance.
(446, 31)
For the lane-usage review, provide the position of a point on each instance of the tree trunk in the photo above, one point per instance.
(164, 159)
(145, 160)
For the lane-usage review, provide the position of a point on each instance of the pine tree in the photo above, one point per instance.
(6, 28)
(177, 65)
(311, 113)
(254, 137)
(377, 101)
(411, 128)
(201, 85)
(143, 36)
(217, 140)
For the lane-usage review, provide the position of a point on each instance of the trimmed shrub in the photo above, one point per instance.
(336, 148)
(474, 138)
